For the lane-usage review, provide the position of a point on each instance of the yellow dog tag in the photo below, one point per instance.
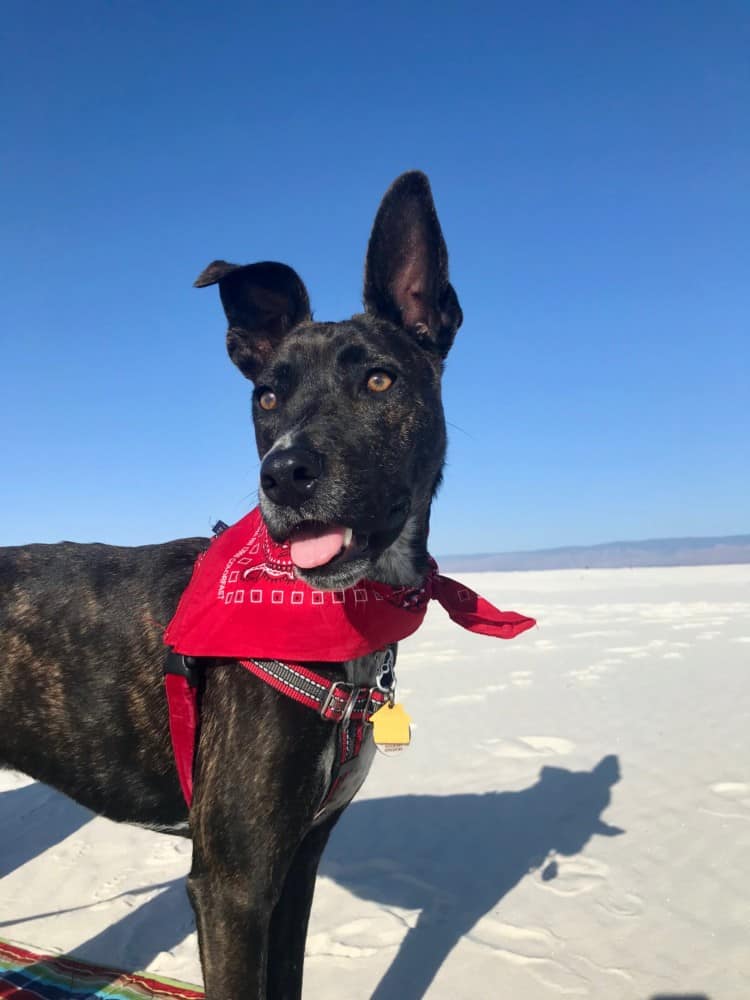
(390, 729)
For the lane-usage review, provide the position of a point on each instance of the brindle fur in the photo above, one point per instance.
(82, 705)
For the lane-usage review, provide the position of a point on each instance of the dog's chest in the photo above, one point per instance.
(345, 779)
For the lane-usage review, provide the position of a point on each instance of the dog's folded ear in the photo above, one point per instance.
(406, 272)
(262, 303)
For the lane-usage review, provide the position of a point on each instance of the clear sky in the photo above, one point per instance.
(590, 162)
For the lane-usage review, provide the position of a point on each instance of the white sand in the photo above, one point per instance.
(481, 862)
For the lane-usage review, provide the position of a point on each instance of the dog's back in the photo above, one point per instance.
(82, 652)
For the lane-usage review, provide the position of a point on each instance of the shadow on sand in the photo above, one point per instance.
(34, 818)
(455, 857)
(451, 857)
(680, 996)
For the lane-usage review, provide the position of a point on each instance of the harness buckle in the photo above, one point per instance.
(374, 703)
(184, 666)
(329, 702)
(385, 678)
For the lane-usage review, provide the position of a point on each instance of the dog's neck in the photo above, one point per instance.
(405, 562)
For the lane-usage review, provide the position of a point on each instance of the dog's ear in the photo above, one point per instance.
(262, 303)
(406, 273)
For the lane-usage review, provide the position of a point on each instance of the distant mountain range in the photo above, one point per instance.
(612, 555)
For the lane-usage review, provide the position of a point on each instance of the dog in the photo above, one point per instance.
(350, 428)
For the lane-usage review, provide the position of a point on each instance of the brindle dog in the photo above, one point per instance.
(348, 417)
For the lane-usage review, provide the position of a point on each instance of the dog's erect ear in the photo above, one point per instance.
(262, 302)
(406, 273)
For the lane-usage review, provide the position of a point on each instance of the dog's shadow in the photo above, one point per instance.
(452, 858)
(34, 818)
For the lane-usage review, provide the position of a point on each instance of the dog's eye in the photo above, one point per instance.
(379, 382)
(267, 400)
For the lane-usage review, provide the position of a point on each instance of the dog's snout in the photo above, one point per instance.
(289, 476)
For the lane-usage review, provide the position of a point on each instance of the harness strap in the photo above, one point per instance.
(335, 701)
(182, 701)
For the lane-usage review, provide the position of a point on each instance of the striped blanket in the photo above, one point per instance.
(25, 975)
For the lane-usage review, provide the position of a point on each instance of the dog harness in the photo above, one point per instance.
(245, 604)
(337, 701)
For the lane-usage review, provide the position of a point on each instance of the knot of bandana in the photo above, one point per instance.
(243, 600)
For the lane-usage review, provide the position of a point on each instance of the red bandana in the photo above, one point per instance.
(244, 601)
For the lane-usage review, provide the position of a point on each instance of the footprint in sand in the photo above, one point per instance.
(736, 800)
(597, 634)
(626, 904)
(72, 851)
(170, 850)
(521, 678)
(572, 876)
(525, 747)
(469, 698)
(592, 673)
(108, 889)
(585, 675)
(627, 650)
(324, 945)
(384, 931)
(535, 948)
(462, 699)
(526, 942)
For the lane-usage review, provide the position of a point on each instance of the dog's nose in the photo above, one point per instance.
(289, 476)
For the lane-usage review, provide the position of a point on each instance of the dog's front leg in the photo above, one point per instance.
(292, 913)
(260, 775)
(232, 921)
(248, 948)
(237, 877)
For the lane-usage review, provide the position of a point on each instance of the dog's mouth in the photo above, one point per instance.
(313, 545)
(330, 555)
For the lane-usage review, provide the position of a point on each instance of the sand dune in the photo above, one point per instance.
(572, 819)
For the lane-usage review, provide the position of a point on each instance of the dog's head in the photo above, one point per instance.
(348, 416)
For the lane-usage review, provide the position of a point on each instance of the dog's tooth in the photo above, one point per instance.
(348, 535)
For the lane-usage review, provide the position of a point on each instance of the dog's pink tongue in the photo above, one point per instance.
(315, 547)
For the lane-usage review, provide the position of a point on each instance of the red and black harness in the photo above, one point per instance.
(346, 705)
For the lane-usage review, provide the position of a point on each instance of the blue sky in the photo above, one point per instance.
(590, 165)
